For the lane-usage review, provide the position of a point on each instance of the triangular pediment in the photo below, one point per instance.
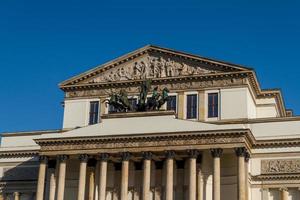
(152, 62)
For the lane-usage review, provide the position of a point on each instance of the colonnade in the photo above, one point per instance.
(103, 159)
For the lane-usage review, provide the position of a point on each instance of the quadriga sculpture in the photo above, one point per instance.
(121, 103)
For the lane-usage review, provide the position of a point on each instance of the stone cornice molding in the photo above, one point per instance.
(276, 177)
(177, 140)
(19, 154)
(161, 141)
(290, 142)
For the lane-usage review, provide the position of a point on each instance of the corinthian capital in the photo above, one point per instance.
(216, 153)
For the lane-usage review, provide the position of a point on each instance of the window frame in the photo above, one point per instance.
(219, 105)
(186, 106)
(213, 105)
(97, 112)
(176, 99)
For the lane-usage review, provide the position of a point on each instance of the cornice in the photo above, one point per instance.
(211, 76)
(275, 177)
(154, 141)
(257, 120)
(19, 154)
(290, 142)
(243, 136)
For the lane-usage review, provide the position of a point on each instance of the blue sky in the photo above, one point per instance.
(43, 43)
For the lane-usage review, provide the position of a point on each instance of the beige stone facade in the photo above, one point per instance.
(249, 150)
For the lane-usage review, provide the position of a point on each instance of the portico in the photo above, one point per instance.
(126, 158)
(121, 152)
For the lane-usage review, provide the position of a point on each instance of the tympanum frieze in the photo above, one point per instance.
(175, 85)
(281, 166)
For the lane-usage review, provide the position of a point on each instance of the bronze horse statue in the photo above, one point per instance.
(119, 101)
(157, 100)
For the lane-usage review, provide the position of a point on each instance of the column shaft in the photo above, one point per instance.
(216, 153)
(82, 176)
(92, 184)
(102, 180)
(199, 183)
(146, 179)
(41, 178)
(192, 179)
(61, 177)
(241, 152)
(52, 184)
(216, 179)
(16, 196)
(284, 194)
(169, 174)
(124, 181)
(247, 158)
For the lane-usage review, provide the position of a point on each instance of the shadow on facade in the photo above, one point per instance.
(20, 180)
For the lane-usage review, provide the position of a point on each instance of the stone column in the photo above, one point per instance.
(169, 175)
(103, 176)
(216, 154)
(52, 184)
(41, 178)
(284, 193)
(240, 153)
(16, 196)
(61, 176)
(91, 183)
(124, 177)
(82, 176)
(193, 174)
(247, 158)
(147, 173)
(199, 183)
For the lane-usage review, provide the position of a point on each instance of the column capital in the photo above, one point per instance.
(43, 159)
(216, 152)
(103, 156)
(283, 189)
(125, 156)
(147, 155)
(83, 157)
(193, 153)
(240, 151)
(247, 156)
(170, 154)
(16, 193)
(62, 158)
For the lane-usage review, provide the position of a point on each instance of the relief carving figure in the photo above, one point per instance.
(280, 166)
(149, 67)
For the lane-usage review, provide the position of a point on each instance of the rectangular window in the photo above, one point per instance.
(213, 105)
(191, 106)
(133, 103)
(111, 109)
(94, 112)
(171, 103)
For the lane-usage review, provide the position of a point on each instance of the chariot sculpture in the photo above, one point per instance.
(120, 102)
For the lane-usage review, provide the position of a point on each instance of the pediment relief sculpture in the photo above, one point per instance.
(150, 67)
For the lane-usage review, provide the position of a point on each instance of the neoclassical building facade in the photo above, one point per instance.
(218, 136)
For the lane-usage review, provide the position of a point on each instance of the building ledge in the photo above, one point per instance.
(138, 114)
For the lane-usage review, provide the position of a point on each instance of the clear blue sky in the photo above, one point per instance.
(42, 44)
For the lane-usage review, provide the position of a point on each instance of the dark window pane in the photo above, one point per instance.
(133, 103)
(171, 103)
(94, 112)
(191, 110)
(213, 105)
